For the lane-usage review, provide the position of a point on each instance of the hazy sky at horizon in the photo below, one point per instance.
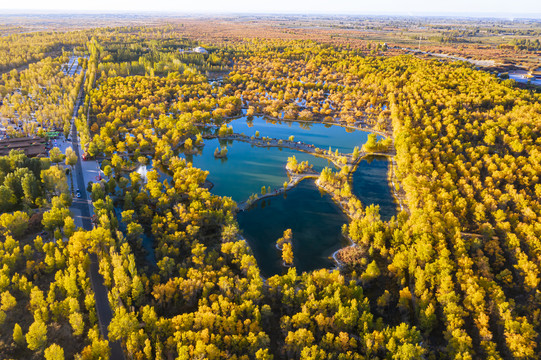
(404, 7)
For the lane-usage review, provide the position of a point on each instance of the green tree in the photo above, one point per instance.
(15, 223)
(7, 198)
(30, 187)
(56, 155)
(54, 180)
(97, 192)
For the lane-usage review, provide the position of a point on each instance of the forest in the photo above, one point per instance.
(454, 275)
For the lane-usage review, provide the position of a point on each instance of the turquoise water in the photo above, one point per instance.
(318, 134)
(247, 168)
(314, 219)
(371, 186)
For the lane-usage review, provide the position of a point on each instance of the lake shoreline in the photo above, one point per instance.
(294, 180)
(293, 145)
(337, 160)
(356, 126)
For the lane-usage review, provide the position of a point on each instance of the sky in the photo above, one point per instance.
(500, 8)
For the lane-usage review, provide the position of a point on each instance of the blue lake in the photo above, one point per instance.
(247, 168)
(371, 186)
(314, 219)
(318, 134)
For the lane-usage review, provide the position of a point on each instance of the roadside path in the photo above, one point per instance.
(83, 207)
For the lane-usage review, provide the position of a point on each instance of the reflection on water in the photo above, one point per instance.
(371, 186)
(144, 169)
(315, 220)
(318, 134)
(247, 168)
(521, 76)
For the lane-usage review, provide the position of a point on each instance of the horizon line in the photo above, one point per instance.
(165, 13)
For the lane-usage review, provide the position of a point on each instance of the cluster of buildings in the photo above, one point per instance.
(32, 146)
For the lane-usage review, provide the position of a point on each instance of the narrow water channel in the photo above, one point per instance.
(147, 241)
(371, 185)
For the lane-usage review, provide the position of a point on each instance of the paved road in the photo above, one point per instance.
(103, 309)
